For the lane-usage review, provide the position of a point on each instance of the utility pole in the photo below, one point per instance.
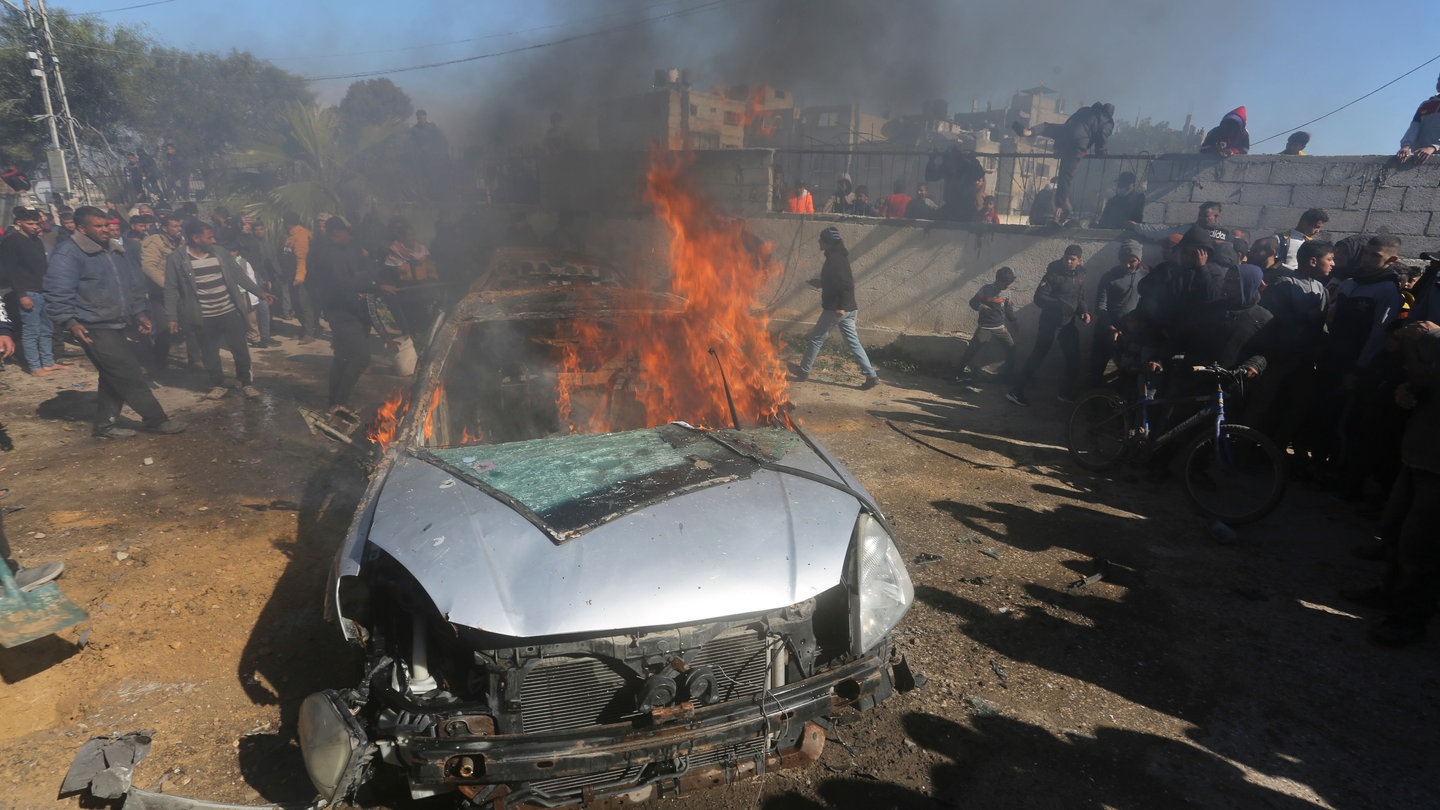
(41, 54)
(64, 100)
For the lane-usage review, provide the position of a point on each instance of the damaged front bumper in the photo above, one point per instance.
(668, 751)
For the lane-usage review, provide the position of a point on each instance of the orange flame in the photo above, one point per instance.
(387, 419)
(756, 116)
(720, 269)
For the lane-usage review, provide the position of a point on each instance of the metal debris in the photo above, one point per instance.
(1102, 567)
(999, 671)
(927, 558)
(991, 553)
(984, 708)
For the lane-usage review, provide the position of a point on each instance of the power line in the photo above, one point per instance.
(481, 38)
(708, 6)
(123, 8)
(1350, 103)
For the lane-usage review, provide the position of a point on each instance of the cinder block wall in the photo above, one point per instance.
(1267, 193)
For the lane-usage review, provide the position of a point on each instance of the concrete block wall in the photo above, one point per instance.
(1265, 193)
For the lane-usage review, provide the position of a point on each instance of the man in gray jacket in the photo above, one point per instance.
(93, 295)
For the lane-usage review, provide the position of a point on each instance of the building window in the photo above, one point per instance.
(732, 119)
(828, 119)
(779, 94)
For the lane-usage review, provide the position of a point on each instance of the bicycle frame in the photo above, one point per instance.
(1215, 406)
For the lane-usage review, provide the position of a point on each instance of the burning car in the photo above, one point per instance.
(596, 560)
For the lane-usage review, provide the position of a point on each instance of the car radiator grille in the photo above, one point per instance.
(575, 692)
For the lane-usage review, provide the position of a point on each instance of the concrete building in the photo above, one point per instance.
(675, 115)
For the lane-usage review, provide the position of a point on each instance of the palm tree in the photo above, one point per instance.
(324, 168)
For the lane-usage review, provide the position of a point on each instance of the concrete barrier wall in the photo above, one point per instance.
(915, 279)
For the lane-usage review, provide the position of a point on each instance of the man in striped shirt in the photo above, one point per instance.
(203, 292)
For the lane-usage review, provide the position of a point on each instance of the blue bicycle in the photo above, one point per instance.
(1230, 472)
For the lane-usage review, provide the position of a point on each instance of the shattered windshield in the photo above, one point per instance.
(571, 481)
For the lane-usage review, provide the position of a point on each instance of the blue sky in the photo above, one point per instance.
(1287, 62)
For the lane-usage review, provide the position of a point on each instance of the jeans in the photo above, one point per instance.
(122, 380)
(829, 320)
(35, 334)
(227, 330)
(258, 319)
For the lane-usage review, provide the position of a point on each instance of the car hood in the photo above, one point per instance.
(749, 540)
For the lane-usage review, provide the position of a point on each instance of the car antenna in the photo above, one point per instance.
(734, 417)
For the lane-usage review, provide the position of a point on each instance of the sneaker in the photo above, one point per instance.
(1018, 398)
(111, 431)
(251, 392)
(269, 343)
(799, 376)
(870, 382)
(31, 578)
(218, 392)
(305, 339)
(167, 428)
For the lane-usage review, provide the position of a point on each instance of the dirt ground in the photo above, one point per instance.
(1191, 674)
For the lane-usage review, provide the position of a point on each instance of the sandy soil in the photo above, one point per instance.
(1190, 674)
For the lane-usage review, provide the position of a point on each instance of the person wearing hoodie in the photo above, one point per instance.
(1116, 296)
(837, 308)
(1422, 137)
(1084, 132)
(1228, 331)
(1061, 299)
(1411, 588)
(1229, 138)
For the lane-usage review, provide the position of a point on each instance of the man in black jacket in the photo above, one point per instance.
(1085, 131)
(1061, 298)
(22, 269)
(837, 308)
(341, 275)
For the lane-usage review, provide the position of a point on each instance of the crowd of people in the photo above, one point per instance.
(1340, 342)
(154, 296)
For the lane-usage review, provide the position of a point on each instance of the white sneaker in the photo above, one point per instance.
(31, 578)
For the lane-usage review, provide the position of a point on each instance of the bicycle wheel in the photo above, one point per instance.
(1096, 433)
(1237, 477)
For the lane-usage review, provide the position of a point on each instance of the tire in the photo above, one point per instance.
(1238, 479)
(1097, 434)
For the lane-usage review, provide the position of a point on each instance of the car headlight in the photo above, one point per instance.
(883, 588)
(332, 743)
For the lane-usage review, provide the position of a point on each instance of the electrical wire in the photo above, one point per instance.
(703, 7)
(122, 8)
(1348, 104)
